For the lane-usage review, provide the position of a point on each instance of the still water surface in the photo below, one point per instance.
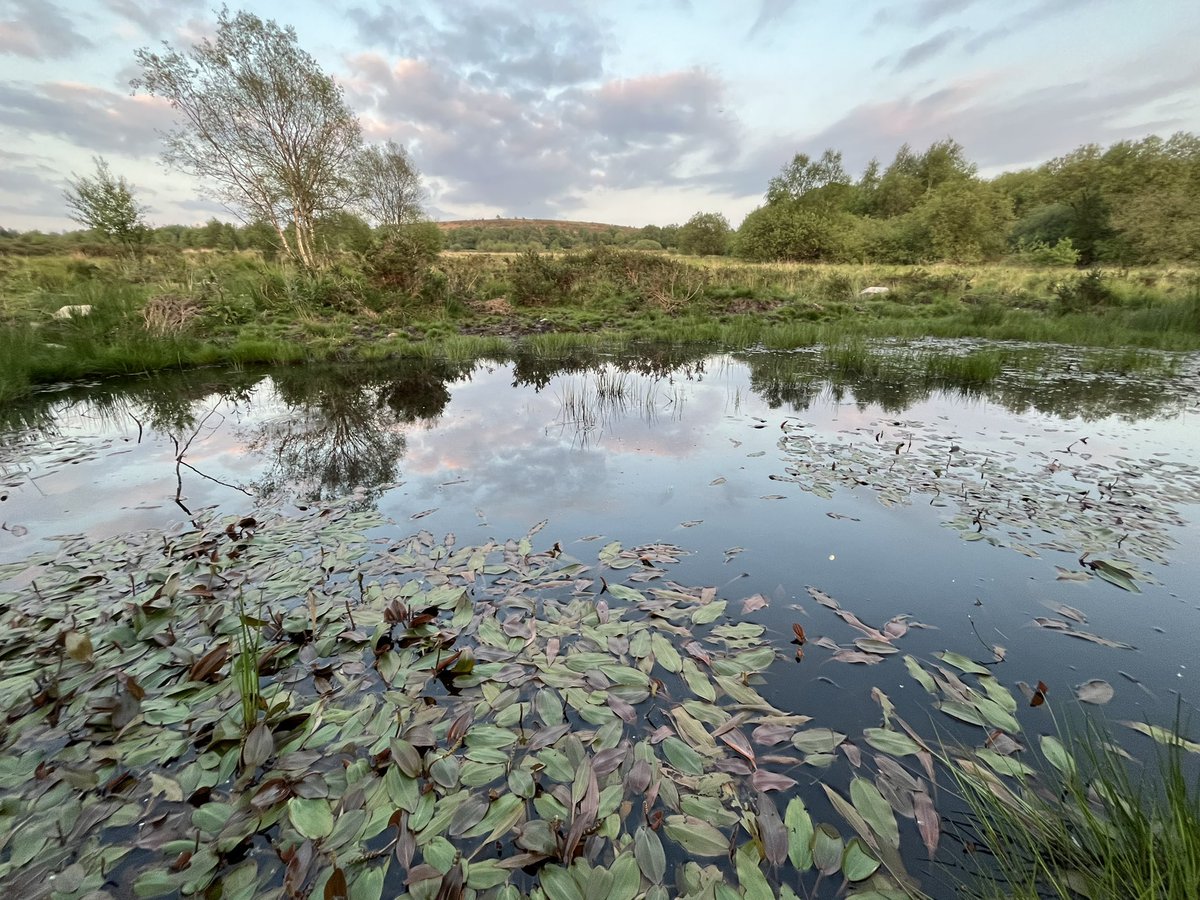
(967, 509)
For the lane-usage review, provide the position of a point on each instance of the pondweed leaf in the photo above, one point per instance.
(311, 818)
(1095, 691)
(857, 862)
(651, 858)
(696, 836)
(891, 742)
(827, 849)
(1058, 755)
(1164, 736)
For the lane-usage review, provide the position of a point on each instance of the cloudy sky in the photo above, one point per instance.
(626, 111)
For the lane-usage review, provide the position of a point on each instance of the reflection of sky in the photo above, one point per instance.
(500, 459)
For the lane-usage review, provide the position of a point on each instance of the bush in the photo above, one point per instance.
(401, 257)
(1089, 292)
(538, 280)
(1039, 253)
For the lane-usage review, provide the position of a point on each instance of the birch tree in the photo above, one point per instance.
(264, 129)
(389, 185)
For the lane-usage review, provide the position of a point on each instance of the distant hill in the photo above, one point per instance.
(516, 235)
(561, 224)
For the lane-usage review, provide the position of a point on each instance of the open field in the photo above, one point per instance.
(198, 309)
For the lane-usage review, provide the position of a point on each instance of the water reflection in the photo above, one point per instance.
(335, 431)
(341, 431)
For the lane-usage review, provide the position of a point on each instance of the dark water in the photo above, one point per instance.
(771, 471)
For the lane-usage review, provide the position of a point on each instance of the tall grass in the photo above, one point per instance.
(1089, 826)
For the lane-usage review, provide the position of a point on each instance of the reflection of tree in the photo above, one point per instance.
(896, 382)
(342, 430)
(656, 361)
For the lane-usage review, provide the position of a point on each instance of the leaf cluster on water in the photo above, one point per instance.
(303, 706)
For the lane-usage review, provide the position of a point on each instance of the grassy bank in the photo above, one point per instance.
(195, 309)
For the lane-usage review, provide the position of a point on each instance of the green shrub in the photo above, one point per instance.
(1039, 253)
(539, 280)
(401, 258)
(1091, 291)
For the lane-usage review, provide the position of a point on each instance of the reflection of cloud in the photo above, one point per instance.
(529, 458)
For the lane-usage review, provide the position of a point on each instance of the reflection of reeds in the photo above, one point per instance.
(592, 402)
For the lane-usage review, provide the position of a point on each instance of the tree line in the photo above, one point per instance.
(1134, 203)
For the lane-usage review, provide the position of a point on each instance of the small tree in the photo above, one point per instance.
(389, 185)
(261, 124)
(705, 234)
(105, 203)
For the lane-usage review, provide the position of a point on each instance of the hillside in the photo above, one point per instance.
(562, 224)
(513, 235)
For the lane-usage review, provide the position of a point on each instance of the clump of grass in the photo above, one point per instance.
(245, 669)
(1087, 827)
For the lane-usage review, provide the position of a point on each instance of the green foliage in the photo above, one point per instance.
(105, 204)
(962, 220)
(818, 182)
(1039, 253)
(795, 232)
(400, 259)
(1084, 294)
(1132, 203)
(538, 279)
(705, 234)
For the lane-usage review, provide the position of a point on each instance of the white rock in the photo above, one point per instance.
(73, 312)
(873, 290)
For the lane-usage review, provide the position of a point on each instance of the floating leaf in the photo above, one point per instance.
(1057, 755)
(961, 662)
(1114, 573)
(78, 646)
(872, 645)
(923, 678)
(800, 834)
(817, 740)
(928, 821)
(823, 598)
(891, 742)
(754, 603)
(827, 849)
(1164, 736)
(857, 862)
(875, 810)
(750, 876)
(651, 858)
(258, 747)
(696, 836)
(312, 818)
(1069, 575)
(771, 781)
(1039, 696)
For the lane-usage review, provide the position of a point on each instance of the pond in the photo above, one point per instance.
(678, 620)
